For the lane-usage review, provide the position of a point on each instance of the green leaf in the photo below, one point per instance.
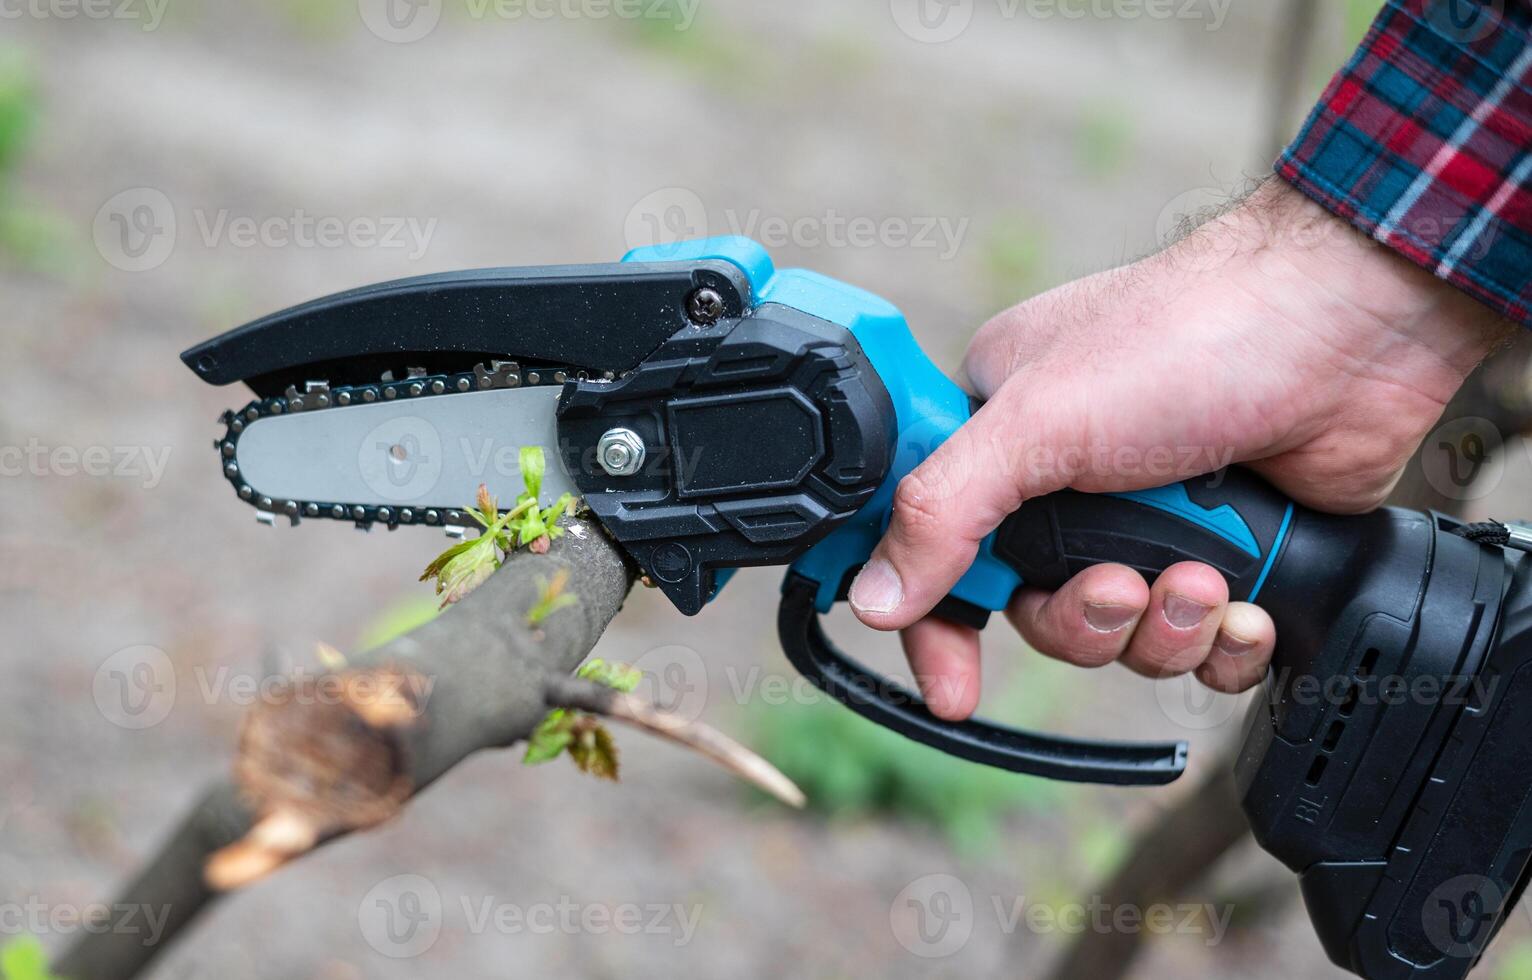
(553, 599)
(618, 676)
(590, 745)
(24, 958)
(552, 736)
(533, 465)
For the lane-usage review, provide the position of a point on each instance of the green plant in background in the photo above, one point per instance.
(405, 615)
(1516, 962)
(1013, 250)
(1359, 16)
(33, 236)
(317, 19)
(851, 768)
(1104, 140)
(23, 958)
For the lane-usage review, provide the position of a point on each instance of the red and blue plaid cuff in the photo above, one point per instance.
(1422, 141)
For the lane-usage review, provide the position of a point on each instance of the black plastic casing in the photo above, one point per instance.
(1390, 763)
(768, 432)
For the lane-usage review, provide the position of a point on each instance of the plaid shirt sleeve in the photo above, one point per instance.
(1422, 142)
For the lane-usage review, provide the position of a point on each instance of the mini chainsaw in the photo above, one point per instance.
(714, 412)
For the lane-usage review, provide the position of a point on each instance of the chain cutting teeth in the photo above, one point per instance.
(320, 396)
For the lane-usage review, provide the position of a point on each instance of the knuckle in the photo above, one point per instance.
(920, 507)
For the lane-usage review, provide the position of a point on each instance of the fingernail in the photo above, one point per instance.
(1232, 645)
(1184, 613)
(876, 588)
(1107, 617)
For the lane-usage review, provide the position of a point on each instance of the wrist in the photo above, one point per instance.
(1375, 303)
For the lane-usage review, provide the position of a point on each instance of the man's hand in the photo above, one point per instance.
(1274, 336)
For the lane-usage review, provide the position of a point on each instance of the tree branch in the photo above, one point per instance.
(571, 692)
(343, 752)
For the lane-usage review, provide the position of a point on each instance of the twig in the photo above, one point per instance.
(598, 699)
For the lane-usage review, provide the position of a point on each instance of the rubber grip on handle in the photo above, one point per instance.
(1232, 520)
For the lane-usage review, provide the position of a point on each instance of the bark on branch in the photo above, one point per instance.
(401, 717)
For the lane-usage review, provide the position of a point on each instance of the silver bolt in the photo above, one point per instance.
(385, 514)
(417, 388)
(406, 515)
(621, 452)
(337, 512)
(344, 398)
(432, 517)
(231, 470)
(438, 386)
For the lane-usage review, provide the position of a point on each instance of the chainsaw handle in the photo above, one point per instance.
(1232, 520)
(886, 703)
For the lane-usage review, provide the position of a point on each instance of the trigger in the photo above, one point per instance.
(962, 612)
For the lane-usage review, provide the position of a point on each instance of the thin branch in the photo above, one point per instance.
(598, 699)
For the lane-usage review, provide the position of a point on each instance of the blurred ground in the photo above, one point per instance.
(1036, 149)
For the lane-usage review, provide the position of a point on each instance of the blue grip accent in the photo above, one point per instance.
(929, 407)
(1223, 521)
(1271, 557)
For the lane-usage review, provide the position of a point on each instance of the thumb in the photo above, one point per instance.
(943, 510)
